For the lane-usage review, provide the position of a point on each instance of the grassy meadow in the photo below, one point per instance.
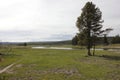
(53, 64)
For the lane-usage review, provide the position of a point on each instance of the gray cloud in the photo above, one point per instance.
(33, 35)
(59, 37)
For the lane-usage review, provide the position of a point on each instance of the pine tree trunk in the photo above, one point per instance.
(89, 42)
(88, 48)
(94, 49)
(89, 53)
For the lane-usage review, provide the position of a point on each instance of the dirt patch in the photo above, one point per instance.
(19, 65)
(113, 75)
(67, 72)
(62, 71)
(9, 71)
(6, 68)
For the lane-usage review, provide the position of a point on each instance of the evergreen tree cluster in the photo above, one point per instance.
(116, 39)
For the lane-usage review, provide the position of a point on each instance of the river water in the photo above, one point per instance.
(62, 48)
(41, 47)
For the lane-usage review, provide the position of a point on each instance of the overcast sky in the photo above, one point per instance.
(50, 20)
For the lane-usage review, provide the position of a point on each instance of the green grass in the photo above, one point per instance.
(46, 64)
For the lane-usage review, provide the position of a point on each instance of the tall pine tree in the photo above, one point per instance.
(90, 23)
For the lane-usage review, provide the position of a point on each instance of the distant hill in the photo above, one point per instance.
(67, 42)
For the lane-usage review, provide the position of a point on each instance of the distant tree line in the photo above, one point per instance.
(100, 40)
(22, 44)
(116, 39)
